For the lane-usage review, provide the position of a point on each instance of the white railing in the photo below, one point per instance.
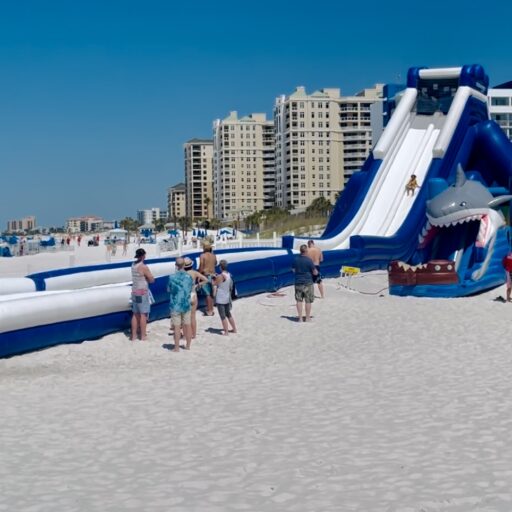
(27, 250)
(234, 243)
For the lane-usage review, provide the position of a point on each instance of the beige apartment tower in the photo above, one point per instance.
(198, 178)
(176, 203)
(355, 124)
(308, 147)
(243, 165)
(321, 139)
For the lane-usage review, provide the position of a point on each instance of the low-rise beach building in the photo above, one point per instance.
(25, 224)
(500, 106)
(84, 224)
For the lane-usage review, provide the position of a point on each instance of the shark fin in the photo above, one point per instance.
(460, 177)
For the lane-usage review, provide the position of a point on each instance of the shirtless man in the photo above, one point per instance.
(315, 253)
(207, 263)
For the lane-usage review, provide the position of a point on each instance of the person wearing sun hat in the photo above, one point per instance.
(141, 278)
(180, 287)
(199, 280)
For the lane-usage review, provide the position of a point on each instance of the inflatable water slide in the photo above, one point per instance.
(447, 240)
(440, 129)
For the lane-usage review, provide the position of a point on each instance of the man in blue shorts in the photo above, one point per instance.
(305, 270)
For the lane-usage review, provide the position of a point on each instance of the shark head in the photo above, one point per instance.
(466, 201)
(462, 221)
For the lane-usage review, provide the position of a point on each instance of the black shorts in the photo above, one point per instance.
(318, 278)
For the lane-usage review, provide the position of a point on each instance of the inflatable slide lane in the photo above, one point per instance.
(85, 303)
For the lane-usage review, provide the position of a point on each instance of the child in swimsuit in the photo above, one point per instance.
(411, 185)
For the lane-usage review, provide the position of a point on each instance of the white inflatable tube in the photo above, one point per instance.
(452, 119)
(399, 117)
(89, 278)
(16, 285)
(42, 308)
(438, 73)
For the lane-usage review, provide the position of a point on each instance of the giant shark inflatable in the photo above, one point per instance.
(460, 248)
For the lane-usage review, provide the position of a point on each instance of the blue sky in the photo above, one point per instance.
(97, 97)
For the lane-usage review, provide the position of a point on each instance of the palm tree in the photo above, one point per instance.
(160, 225)
(185, 224)
(320, 206)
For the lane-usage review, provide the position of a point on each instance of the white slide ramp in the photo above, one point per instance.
(386, 205)
(391, 204)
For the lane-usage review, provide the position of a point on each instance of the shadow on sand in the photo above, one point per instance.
(294, 319)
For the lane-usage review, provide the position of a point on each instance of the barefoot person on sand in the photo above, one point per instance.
(305, 270)
(180, 288)
(207, 262)
(315, 253)
(141, 277)
(224, 283)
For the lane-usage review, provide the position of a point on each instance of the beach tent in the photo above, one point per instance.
(146, 231)
(5, 251)
(227, 231)
(118, 233)
(48, 241)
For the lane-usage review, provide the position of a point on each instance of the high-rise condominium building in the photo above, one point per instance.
(500, 106)
(244, 165)
(176, 201)
(321, 139)
(308, 147)
(355, 124)
(199, 178)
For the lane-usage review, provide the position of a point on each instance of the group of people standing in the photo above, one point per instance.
(184, 286)
(186, 283)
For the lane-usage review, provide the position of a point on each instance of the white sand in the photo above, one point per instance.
(380, 404)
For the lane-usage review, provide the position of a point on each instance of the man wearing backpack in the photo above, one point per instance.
(224, 283)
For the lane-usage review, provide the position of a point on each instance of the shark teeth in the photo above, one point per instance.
(455, 222)
(405, 266)
(432, 266)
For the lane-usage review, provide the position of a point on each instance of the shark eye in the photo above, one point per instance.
(463, 203)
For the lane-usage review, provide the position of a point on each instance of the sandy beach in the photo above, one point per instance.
(380, 404)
